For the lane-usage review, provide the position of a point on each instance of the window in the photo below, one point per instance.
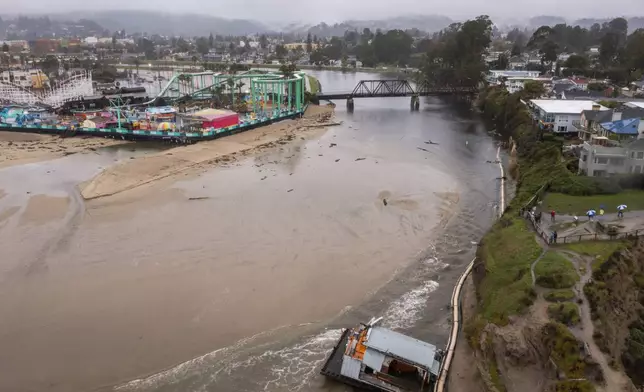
(640, 155)
(562, 128)
(563, 118)
(601, 161)
(617, 161)
(584, 158)
(599, 173)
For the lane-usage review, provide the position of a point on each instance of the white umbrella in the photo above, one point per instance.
(591, 213)
(622, 207)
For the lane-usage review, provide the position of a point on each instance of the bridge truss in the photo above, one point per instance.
(396, 88)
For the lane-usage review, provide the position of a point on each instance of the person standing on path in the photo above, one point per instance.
(552, 215)
(554, 236)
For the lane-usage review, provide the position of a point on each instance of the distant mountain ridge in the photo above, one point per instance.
(170, 23)
(153, 22)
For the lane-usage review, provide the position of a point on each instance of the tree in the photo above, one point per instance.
(516, 50)
(194, 60)
(609, 48)
(137, 64)
(456, 58)
(533, 89)
(230, 82)
(281, 51)
(309, 43)
(288, 70)
(182, 45)
(634, 51)
(549, 52)
(502, 62)
(203, 45)
(576, 61)
(5, 47)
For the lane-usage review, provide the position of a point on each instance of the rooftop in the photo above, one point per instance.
(565, 106)
(623, 127)
(402, 346)
(636, 104)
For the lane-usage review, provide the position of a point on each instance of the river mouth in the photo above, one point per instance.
(258, 262)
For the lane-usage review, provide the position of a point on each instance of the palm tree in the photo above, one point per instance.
(239, 86)
(137, 63)
(194, 60)
(231, 84)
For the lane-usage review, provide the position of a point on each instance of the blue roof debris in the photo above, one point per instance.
(623, 127)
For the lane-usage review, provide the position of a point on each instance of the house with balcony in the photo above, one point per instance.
(561, 116)
(602, 157)
(622, 130)
(592, 120)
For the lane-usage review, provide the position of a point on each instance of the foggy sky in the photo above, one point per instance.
(314, 11)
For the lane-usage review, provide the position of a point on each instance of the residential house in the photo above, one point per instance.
(517, 62)
(621, 130)
(517, 83)
(580, 83)
(561, 116)
(592, 120)
(602, 157)
(496, 74)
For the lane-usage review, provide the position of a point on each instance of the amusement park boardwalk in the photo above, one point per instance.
(144, 170)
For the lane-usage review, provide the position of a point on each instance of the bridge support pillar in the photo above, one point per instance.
(415, 102)
(350, 104)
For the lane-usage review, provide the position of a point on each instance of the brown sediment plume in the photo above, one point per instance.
(132, 174)
(42, 209)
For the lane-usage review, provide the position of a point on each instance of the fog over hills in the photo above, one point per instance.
(152, 22)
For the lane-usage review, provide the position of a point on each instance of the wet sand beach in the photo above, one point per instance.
(243, 256)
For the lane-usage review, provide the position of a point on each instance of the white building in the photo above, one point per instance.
(503, 73)
(561, 116)
(91, 40)
(517, 83)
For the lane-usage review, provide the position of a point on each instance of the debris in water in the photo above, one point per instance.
(422, 149)
(360, 159)
(384, 201)
(263, 178)
(290, 190)
(430, 142)
(337, 160)
(332, 145)
(199, 198)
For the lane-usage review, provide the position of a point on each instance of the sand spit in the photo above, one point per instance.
(137, 172)
(18, 148)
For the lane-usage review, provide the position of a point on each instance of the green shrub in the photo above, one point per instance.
(574, 386)
(560, 295)
(566, 313)
(564, 349)
(554, 271)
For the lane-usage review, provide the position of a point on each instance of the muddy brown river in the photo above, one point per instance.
(240, 277)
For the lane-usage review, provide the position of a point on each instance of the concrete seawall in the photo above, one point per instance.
(457, 320)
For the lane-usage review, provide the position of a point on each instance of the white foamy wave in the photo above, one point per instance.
(193, 366)
(407, 310)
(296, 366)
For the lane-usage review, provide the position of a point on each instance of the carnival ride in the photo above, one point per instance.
(75, 87)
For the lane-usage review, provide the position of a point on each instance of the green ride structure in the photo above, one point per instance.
(257, 97)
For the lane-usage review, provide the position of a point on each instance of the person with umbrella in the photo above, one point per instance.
(591, 214)
(620, 210)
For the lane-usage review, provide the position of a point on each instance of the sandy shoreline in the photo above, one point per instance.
(144, 170)
(17, 148)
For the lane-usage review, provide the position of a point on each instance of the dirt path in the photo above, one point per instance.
(615, 380)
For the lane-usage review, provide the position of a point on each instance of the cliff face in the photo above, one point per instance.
(616, 297)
